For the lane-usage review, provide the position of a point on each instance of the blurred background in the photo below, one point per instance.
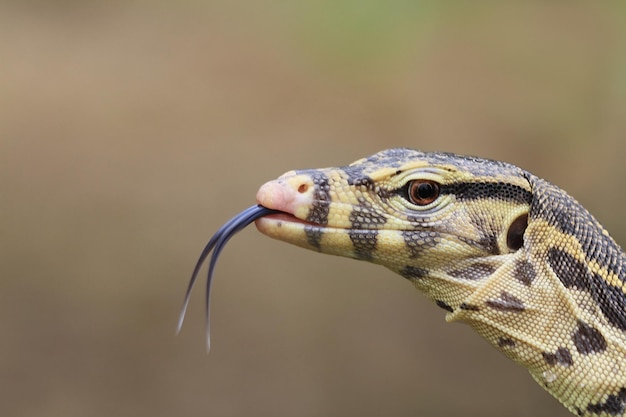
(131, 130)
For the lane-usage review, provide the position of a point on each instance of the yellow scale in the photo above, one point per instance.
(508, 253)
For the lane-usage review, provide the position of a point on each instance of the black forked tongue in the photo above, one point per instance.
(216, 244)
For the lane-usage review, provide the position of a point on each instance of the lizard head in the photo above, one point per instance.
(446, 222)
(431, 217)
(508, 253)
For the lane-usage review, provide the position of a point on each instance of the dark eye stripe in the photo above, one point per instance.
(497, 190)
(466, 191)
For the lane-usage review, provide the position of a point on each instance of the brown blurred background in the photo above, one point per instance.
(129, 132)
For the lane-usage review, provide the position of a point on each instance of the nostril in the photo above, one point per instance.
(303, 188)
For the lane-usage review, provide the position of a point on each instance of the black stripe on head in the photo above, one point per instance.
(320, 206)
(313, 236)
(364, 216)
(364, 242)
(495, 190)
(318, 213)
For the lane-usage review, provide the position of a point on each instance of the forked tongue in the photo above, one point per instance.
(216, 244)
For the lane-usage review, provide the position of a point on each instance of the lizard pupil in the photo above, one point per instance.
(423, 192)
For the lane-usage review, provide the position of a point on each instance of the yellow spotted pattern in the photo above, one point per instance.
(508, 253)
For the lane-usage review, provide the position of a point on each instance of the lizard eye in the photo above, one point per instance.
(422, 192)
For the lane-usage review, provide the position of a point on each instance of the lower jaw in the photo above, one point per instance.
(283, 227)
(289, 229)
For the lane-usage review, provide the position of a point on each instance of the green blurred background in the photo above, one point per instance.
(130, 131)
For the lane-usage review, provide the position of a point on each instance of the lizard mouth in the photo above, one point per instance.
(288, 228)
(280, 218)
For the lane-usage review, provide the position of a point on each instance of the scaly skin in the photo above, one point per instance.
(508, 253)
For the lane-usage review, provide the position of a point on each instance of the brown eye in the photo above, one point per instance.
(422, 192)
